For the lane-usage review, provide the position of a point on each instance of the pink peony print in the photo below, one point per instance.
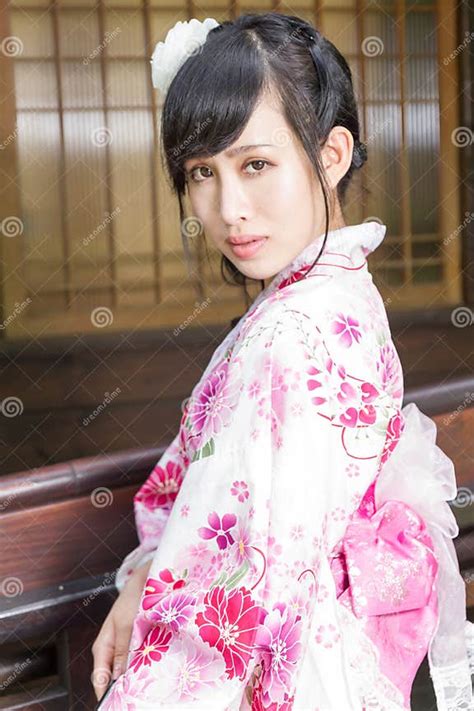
(155, 588)
(229, 623)
(128, 689)
(218, 529)
(211, 406)
(240, 490)
(347, 329)
(191, 671)
(155, 644)
(174, 610)
(278, 640)
(162, 486)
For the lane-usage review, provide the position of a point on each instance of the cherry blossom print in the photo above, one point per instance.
(327, 635)
(338, 514)
(352, 470)
(155, 588)
(184, 510)
(190, 671)
(155, 644)
(297, 532)
(278, 641)
(229, 623)
(174, 610)
(220, 530)
(243, 548)
(162, 486)
(348, 330)
(240, 490)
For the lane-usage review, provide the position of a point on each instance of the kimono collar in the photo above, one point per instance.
(351, 244)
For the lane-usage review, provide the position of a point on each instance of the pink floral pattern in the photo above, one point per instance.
(246, 514)
(220, 530)
(229, 623)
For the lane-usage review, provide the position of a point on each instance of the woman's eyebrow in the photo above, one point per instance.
(237, 150)
(241, 149)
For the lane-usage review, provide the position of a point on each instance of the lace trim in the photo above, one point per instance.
(452, 684)
(452, 687)
(376, 692)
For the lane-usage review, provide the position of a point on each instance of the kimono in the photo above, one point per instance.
(281, 577)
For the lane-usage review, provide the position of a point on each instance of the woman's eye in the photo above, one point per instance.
(265, 162)
(251, 162)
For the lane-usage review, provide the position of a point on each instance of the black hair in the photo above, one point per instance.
(213, 95)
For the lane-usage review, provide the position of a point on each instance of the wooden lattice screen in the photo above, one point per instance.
(88, 221)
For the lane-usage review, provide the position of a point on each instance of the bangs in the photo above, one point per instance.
(211, 99)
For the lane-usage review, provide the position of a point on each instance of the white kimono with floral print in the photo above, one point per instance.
(243, 515)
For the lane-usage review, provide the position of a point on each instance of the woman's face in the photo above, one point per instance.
(266, 191)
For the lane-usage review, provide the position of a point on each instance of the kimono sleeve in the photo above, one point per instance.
(284, 438)
(152, 504)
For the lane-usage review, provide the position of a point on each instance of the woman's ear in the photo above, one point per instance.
(337, 154)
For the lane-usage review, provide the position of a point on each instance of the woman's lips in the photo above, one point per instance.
(244, 251)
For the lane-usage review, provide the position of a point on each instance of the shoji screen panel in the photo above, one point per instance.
(99, 225)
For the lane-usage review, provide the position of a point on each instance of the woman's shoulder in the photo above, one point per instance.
(347, 327)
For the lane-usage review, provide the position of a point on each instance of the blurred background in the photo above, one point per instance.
(103, 333)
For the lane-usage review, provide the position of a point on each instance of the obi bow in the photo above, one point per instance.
(390, 562)
(397, 555)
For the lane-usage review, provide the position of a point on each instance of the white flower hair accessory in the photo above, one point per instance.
(182, 40)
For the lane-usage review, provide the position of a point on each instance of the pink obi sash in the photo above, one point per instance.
(397, 557)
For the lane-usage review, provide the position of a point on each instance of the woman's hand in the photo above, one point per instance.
(110, 648)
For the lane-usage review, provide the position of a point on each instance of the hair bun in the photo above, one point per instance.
(359, 154)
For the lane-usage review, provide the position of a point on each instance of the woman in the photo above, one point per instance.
(284, 560)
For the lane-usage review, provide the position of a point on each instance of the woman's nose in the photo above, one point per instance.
(233, 201)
